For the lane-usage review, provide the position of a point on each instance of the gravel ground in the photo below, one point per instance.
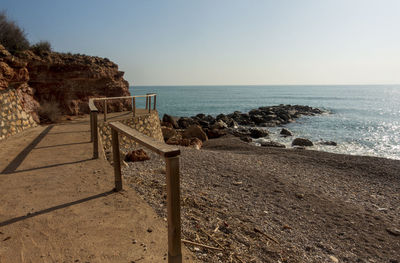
(259, 204)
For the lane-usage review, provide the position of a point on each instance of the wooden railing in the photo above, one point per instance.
(94, 114)
(148, 97)
(94, 134)
(171, 156)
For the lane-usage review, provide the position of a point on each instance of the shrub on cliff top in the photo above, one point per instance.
(12, 37)
(41, 48)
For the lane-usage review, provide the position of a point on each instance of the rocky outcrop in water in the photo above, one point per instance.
(247, 126)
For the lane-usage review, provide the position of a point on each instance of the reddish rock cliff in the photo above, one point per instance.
(14, 76)
(67, 80)
(70, 80)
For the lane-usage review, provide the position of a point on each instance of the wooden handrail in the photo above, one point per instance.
(126, 97)
(161, 148)
(94, 112)
(171, 155)
(92, 107)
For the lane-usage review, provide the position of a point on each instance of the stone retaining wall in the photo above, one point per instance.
(148, 124)
(13, 119)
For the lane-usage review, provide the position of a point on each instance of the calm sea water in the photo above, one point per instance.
(364, 120)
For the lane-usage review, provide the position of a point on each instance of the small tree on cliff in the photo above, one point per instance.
(12, 37)
(41, 47)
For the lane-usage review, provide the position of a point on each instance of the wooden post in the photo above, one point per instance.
(149, 104)
(173, 210)
(155, 99)
(147, 100)
(134, 106)
(116, 159)
(105, 110)
(95, 136)
(91, 126)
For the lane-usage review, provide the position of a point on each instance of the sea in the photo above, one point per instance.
(362, 119)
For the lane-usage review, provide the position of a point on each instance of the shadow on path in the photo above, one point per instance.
(22, 155)
(47, 166)
(54, 133)
(48, 210)
(60, 145)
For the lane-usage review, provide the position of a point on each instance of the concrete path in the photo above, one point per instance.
(57, 204)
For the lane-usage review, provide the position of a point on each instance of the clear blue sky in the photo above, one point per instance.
(208, 42)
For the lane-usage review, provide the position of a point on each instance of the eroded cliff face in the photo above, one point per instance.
(18, 107)
(70, 80)
(27, 81)
(14, 76)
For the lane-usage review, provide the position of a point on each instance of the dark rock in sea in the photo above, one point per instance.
(246, 138)
(240, 132)
(285, 132)
(210, 119)
(172, 120)
(220, 124)
(166, 124)
(258, 133)
(257, 119)
(270, 117)
(228, 120)
(201, 116)
(255, 112)
(215, 133)
(168, 133)
(204, 124)
(272, 144)
(185, 122)
(302, 142)
(329, 143)
(195, 131)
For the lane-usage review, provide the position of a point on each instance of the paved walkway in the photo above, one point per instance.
(57, 204)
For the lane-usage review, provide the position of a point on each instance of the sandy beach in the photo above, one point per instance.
(259, 204)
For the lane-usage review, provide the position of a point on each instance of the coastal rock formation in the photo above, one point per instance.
(178, 140)
(171, 120)
(18, 109)
(272, 144)
(285, 132)
(66, 81)
(70, 80)
(328, 143)
(168, 133)
(137, 156)
(195, 131)
(258, 133)
(247, 126)
(302, 142)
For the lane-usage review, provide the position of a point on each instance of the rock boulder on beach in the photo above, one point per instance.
(272, 144)
(170, 119)
(137, 156)
(302, 142)
(195, 131)
(285, 132)
(168, 133)
(258, 133)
